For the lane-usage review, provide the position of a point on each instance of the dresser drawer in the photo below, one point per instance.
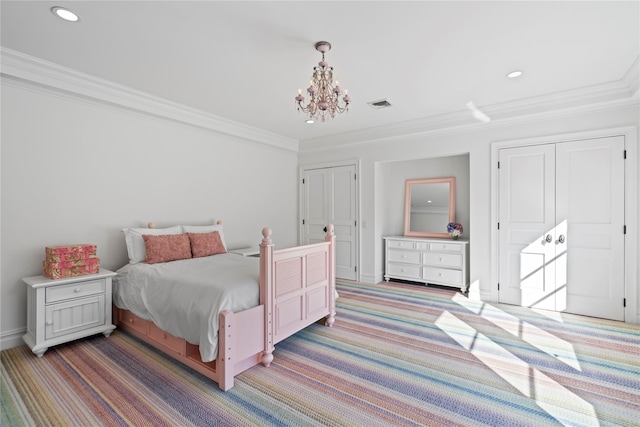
(404, 270)
(443, 275)
(166, 339)
(74, 290)
(446, 247)
(400, 244)
(442, 260)
(404, 256)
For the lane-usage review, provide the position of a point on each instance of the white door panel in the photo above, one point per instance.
(329, 197)
(590, 189)
(526, 218)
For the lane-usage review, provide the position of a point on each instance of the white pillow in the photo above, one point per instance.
(205, 229)
(135, 243)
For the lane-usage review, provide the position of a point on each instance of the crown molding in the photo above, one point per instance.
(42, 73)
(592, 98)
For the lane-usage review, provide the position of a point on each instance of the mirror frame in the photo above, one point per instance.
(407, 205)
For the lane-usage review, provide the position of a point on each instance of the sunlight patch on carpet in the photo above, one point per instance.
(526, 379)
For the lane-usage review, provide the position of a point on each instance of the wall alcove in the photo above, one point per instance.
(390, 188)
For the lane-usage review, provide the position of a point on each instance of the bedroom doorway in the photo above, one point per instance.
(329, 196)
(562, 226)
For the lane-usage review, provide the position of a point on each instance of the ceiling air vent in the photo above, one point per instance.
(383, 103)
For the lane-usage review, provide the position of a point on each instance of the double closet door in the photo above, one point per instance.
(561, 230)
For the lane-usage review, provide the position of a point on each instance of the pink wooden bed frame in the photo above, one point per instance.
(297, 288)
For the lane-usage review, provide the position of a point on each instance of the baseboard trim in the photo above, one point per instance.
(12, 339)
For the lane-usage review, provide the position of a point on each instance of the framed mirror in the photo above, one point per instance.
(429, 206)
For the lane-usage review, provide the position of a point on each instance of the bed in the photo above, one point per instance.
(221, 314)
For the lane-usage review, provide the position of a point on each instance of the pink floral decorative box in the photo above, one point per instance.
(70, 261)
(54, 270)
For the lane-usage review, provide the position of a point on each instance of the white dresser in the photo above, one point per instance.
(61, 310)
(436, 261)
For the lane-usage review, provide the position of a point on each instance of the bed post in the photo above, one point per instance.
(266, 293)
(225, 350)
(331, 238)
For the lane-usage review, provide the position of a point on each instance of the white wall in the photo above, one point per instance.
(381, 212)
(76, 170)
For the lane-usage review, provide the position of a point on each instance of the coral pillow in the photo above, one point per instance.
(164, 248)
(206, 244)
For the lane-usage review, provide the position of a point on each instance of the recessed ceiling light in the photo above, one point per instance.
(514, 74)
(65, 14)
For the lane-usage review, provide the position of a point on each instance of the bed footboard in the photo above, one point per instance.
(297, 288)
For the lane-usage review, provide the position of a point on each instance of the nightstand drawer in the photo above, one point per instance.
(74, 290)
(404, 270)
(443, 275)
(404, 256)
(442, 260)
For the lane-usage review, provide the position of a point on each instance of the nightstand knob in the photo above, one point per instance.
(76, 290)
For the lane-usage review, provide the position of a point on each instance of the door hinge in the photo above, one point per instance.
(303, 180)
(355, 223)
(355, 268)
(498, 226)
(625, 154)
(624, 302)
(355, 177)
(624, 229)
(498, 165)
(498, 285)
(303, 222)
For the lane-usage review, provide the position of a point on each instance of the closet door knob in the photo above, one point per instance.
(561, 239)
(548, 239)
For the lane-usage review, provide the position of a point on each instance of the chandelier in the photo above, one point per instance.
(323, 92)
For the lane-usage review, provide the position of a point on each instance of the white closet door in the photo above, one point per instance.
(590, 215)
(329, 197)
(561, 227)
(527, 217)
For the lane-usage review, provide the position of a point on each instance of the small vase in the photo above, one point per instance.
(454, 237)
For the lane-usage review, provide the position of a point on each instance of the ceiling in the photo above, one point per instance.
(245, 61)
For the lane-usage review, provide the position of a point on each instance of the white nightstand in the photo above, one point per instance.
(246, 252)
(62, 310)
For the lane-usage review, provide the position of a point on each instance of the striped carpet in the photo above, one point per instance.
(397, 355)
